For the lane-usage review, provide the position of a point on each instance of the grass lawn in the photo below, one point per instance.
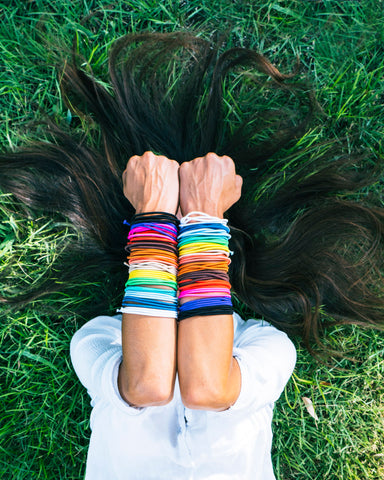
(44, 411)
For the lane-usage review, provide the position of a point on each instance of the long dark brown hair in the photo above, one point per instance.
(308, 247)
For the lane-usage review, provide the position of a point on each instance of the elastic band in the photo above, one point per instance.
(150, 312)
(200, 217)
(163, 217)
(204, 312)
(203, 266)
(152, 282)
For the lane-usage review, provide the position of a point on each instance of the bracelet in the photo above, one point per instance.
(203, 266)
(152, 264)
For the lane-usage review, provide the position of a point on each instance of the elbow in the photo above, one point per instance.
(204, 397)
(146, 394)
(149, 398)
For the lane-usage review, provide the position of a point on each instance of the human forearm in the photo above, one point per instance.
(209, 376)
(147, 373)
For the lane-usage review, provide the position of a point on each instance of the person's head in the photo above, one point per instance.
(299, 250)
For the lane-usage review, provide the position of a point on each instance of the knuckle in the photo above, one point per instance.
(211, 156)
(227, 159)
(148, 155)
(133, 159)
(229, 163)
(185, 165)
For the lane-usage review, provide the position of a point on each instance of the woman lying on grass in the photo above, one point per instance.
(186, 389)
(214, 421)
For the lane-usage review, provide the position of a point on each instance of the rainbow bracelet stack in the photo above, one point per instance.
(203, 266)
(151, 288)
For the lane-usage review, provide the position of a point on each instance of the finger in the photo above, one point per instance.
(132, 163)
(174, 163)
(211, 156)
(238, 181)
(229, 163)
(148, 154)
(133, 158)
(239, 184)
(184, 167)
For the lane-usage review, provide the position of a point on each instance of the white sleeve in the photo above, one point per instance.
(266, 357)
(96, 355)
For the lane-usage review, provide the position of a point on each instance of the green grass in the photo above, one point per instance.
(44, 412)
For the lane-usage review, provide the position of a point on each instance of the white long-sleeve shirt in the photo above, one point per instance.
(172, 442)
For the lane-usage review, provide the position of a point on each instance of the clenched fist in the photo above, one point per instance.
(151, 183)
(209, 184)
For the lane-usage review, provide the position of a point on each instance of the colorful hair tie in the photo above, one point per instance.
(203, 266)
(152, 261)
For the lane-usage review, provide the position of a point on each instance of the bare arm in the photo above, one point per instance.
(147, 373)
(209, 376)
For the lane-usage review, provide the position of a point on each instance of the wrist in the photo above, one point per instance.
(209, 206)
(211, 211)
(155, 207)
(204, 287)
(151, 288)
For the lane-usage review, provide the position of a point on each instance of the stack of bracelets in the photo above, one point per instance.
(151, 288)
(203, 266)
(153, 245)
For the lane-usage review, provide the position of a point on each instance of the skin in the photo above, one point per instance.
(155, 348)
